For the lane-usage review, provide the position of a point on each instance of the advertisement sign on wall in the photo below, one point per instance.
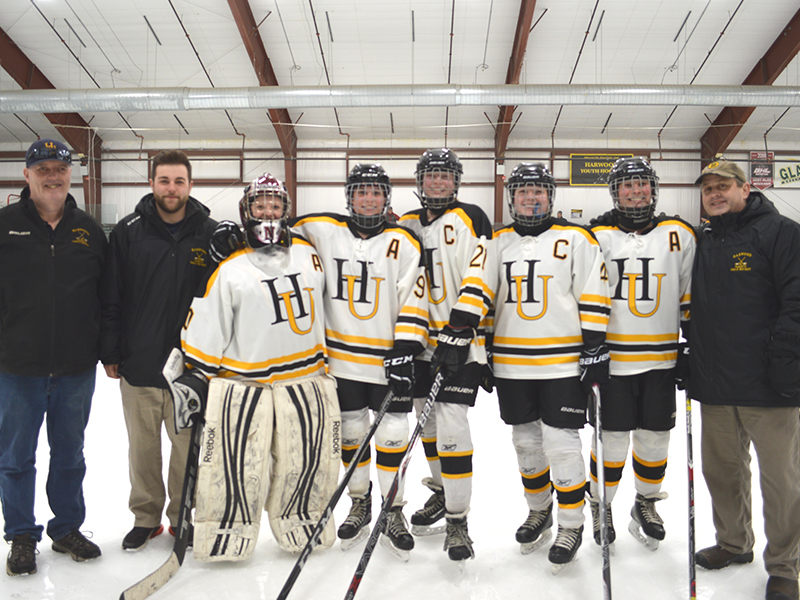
(591, 169)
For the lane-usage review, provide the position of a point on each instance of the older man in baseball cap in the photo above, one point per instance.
(53, 259)
(745, 372)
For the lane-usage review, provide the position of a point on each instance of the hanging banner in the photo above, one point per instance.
(762, 169)
(787, 172)
(591, 169)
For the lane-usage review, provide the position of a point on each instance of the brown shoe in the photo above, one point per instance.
(715, 557)
(781, 588)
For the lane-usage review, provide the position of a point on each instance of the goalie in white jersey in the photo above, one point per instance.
(271, 421)
(649, 264)
(454, 236)
(551, 308)
(376, 310)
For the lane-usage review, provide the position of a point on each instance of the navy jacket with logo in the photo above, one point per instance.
(49, 290)
(745, 293)
(151, 279)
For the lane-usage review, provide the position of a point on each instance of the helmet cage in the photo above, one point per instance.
(369, 221)
(528, 175)
(436, 162)
(262, 231)
(639, 172)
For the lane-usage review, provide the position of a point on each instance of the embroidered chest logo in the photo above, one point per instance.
(522, 289)
(81, 237)
(357, 289)
(198, 257)
(638, 287)
(292, 303)
(741, 261)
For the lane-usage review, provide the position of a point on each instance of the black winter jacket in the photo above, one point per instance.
(745, 300)
(151, 279)
(49, 290)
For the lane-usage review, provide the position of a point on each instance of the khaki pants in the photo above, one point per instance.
(145, 409)
(727, 432)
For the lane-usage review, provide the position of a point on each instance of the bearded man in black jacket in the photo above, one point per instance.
(745, 371)
(157, 260)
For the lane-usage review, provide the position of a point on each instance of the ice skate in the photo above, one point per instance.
(356, 526)
(646, 526)
(395, 536)
(563, 550)
(612, 534)
(535, 531)
(457, 543)
(422, 521)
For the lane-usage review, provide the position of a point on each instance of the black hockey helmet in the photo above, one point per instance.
(438, 161)
(635, 172)
(536, 179)
(365, 177)
(262, 227)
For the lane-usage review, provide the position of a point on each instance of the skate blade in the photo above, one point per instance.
(362, 534)
(425, 530)
(636, 531)
(543, 538)
(403, 555)
(556, 569)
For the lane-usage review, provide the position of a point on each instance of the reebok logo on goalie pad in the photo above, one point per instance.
(210, 437)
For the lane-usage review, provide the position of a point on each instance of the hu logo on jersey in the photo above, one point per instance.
(286, 301)
(357, 289)
(630, 283)
(522, 290)
(437, 291)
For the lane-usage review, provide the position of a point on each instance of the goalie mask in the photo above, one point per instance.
(438, 177)
(369, 194)
(264, 210)
(634, 189)
(531, 190)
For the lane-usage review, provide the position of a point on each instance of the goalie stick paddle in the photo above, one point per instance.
(601, 491)
(153, 582)
(390, 496)
(328, 512)
(690, 466)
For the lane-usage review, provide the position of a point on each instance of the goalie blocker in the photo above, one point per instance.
(250, 458)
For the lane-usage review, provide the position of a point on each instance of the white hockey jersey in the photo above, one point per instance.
(455, 256)
(649, 279)
(552, 297)
(376, 294)
(261, 317)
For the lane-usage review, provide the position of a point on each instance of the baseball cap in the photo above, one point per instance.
(47, 149)
(723, 168)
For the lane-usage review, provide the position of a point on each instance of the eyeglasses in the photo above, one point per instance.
(45, 153)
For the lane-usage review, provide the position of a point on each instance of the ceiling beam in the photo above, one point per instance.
(503, 129)
(730, 120)
(248, 29)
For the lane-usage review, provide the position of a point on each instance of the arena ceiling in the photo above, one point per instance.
(150, 44)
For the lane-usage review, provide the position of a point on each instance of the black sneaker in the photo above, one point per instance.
(77, 546)
(138, 537)
(22, 558)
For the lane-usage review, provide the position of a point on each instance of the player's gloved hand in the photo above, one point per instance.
(783, 370)
(452, 350)
(594, 364)
(226, 239)
(399, 366)
(189, 390)
(682, 366)
(487, 372)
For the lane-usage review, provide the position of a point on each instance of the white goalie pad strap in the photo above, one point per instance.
(306, 450)
(233, 474)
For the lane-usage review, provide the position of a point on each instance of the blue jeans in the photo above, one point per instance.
(24, 401)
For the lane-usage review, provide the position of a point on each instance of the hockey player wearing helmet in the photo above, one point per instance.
(455, 237)
(551, 308)
(649, 266)
(375, 283)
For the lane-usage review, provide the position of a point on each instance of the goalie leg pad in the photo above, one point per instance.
(306, 450)
(233, 475)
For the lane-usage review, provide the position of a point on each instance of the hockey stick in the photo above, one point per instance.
(601, 491)
(390, 496)
(328, 512)
(153, 582)
(690, 465)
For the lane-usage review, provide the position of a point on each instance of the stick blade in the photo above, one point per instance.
(153, 582)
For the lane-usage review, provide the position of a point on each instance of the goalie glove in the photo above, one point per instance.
(682, 366)
(594, 364)
(399, 366)
(452, 350)
(226, 239)
(189, 390)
